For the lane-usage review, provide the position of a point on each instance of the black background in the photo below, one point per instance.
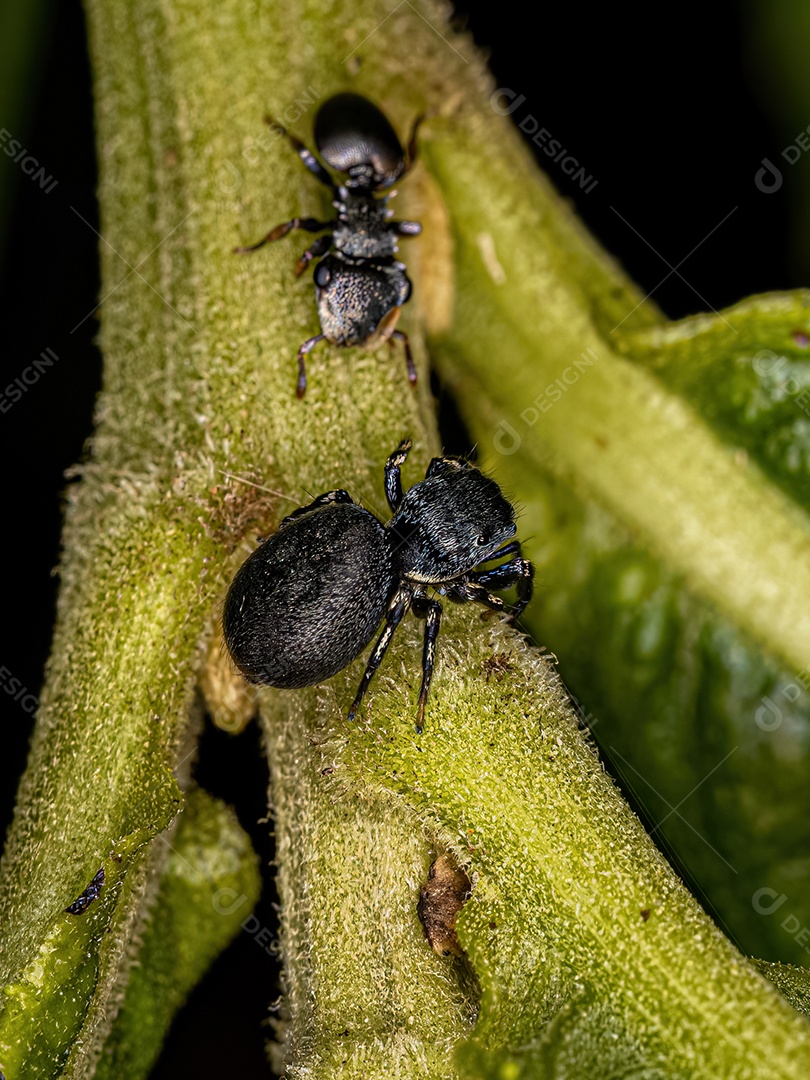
(671, 122)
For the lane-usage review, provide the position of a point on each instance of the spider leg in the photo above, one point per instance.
(336, 496)
(304, 348)
(398, 606)
(525, 587)
(440, 465)
(431, 612)
(500, 577)
(512, 548)
(320, 247)
(518, 571)
(308, 224)
(470, 590)
(393, 480)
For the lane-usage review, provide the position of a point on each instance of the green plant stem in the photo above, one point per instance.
(621, 440)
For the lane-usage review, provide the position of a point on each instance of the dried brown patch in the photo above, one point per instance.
(440, 899)
(238, 506)
(496, 665)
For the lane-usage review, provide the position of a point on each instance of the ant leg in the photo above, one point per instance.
(393, 480)
(405, 228)
(307, 346)
(431, 611)
(306, 155)
(320, 247)
(411, 148)
(307, 223)
(400, 336)
(397, 608)
(337, 496)
(312, 162)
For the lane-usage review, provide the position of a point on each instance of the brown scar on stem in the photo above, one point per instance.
(440, 899)
(497, 664)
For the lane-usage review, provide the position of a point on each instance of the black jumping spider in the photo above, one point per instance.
(311, 597)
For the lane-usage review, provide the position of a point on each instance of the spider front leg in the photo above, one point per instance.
(308, 224)
(431, 611)
(393, 480)
(467, 591)
(397, 608)
(525, 587)
(518, 571)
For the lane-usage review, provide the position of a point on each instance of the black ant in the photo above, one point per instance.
(359, 286)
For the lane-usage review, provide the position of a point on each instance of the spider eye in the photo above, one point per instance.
(480, 540)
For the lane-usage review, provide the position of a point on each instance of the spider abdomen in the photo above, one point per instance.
(309, 599)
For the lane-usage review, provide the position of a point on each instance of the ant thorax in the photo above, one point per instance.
(362, 230)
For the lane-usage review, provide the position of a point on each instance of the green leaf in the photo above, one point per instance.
(581, 1040)
(747, 372)
(48, 1004)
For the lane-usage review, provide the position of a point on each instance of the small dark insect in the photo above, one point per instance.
(91, 893)
(441, 898)
(310, 598)
(360, 287)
